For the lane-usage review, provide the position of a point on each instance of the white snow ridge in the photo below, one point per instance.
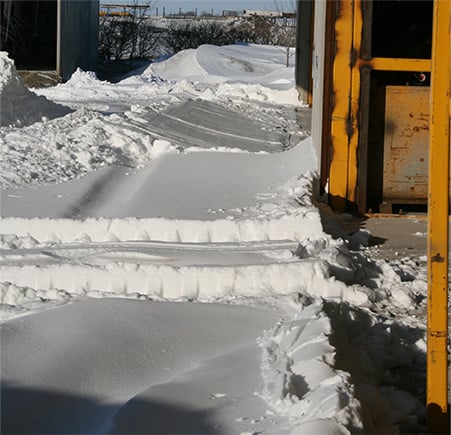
(19, 106)
(165, 269)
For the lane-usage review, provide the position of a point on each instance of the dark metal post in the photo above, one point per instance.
(303, 49)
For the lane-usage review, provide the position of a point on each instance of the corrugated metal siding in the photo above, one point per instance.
(79, 36)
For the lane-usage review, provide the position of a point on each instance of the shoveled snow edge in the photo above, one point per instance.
(296, 227)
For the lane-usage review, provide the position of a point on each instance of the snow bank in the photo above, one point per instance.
(236, 72)
(166, 271)
(298, 227)
(234, 63)
(300, 377)
(250, 71)
(373, 351)
(167, 282)
(86, 140)
(18, 105)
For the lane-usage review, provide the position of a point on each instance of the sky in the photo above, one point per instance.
(217, 5)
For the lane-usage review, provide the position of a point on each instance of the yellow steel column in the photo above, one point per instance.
(342, 69)
(354, 123)
(438, 203)
(346, 94)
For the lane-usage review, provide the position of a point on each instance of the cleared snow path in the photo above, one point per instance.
(209, 125)
(152, 252)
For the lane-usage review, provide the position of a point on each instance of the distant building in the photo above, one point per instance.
(267, 14)
(51, 35)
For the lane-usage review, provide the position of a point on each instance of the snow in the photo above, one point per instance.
(166, 268)
(15, 96)
(249, 63)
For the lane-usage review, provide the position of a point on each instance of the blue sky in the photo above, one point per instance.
(217, 5)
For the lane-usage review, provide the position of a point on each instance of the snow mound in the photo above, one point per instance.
(235, 72)
(127, 279)
(19, 106)
(300, 377)
(80, 77)
(253, 71)
(183, 63)
(298, 227)
(259, 64)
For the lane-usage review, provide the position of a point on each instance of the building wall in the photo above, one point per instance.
(78, 36)
(318, 59)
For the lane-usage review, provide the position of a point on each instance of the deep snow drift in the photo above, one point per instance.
(190, 183)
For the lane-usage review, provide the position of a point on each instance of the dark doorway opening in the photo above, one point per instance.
(29, 33)
(402, 29)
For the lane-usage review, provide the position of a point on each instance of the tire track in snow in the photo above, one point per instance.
(150, 251)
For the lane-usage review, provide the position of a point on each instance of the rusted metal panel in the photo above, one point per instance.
(406, 139)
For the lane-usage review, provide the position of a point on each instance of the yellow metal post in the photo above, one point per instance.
(438, 204)
(340, 125)
(355, 108)
(346, 94)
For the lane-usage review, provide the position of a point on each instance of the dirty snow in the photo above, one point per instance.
(165, 268)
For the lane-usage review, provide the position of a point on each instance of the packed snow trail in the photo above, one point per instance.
(208, 125)
(149, 252)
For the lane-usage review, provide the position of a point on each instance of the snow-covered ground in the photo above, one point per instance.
(164, 268)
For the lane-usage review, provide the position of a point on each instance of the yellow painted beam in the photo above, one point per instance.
(438, 237)
(353, 133)
(396, 64)
(340, 125)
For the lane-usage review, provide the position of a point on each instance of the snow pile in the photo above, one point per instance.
(301, 380)
(74, 145)
(231, 63)
(86, 140)
(236, 72)
(166, 282)
(18, 105)
(171, 230)
(260, 67)
(376, 351)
